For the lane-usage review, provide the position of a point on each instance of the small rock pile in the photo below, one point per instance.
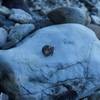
(85, 12)
(15, 24)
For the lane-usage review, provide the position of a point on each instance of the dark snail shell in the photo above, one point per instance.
(47, 50)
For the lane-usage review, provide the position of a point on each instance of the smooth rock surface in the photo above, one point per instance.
(20, 16)
(75, 62)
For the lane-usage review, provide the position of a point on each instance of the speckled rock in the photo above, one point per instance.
(68, 15)
(20, 16)
(3, 36)
(74, 64)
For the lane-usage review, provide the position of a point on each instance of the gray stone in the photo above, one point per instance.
(3, 36)
(20, 16)
(74, 63)
(68, 15)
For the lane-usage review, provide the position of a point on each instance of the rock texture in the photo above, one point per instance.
(72, 68)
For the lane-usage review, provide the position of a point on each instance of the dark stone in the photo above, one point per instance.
(67, 15)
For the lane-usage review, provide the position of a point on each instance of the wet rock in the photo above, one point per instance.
(4, 11)
(67, 15)
(18, 32)
(20, 16)
(3, 37)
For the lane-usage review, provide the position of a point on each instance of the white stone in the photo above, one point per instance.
(76, 59)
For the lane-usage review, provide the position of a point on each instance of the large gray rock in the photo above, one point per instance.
(3, 36)
(68, 15)
(73, 65)
(20, 16)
